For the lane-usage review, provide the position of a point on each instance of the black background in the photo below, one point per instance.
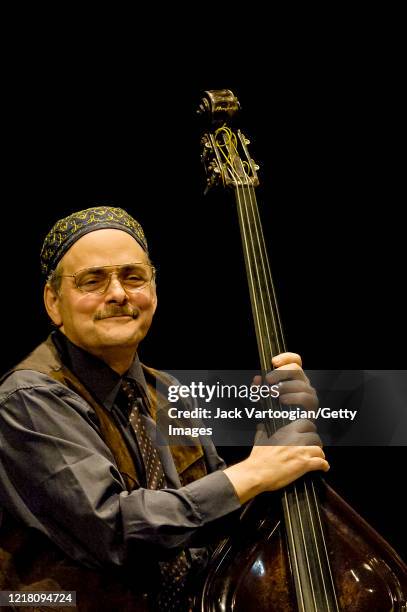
(116, 127)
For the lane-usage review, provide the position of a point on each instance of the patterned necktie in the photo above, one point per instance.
(174, 573)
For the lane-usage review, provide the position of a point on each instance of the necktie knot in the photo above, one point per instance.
(128, 388)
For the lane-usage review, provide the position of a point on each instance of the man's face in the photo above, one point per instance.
(116, 318)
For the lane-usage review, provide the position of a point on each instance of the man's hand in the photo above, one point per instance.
(294, 386)
(300, 432)
(293, 450)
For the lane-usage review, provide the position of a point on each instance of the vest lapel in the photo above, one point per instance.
(189, 459)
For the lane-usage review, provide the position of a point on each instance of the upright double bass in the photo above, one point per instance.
(304, 548)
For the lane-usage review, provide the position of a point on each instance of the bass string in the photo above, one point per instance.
(249, 256)
(260, 237)
(279, 335)
(321, 531)
(259, 269)
(251, 280)
(258, 297)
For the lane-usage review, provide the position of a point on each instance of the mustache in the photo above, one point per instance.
(116, 311)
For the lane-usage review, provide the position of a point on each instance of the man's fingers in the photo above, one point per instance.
(311, 439)
(304, 400)
(294, 438)
(285, 358)
(295, 386)
(299, 426)
(291, 371)
(298, 393)
(303, 425)
(287, 371)
(316, 463)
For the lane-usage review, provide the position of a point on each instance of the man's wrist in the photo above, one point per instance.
(245, 479)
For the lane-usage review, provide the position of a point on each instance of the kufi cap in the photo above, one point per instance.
(68, 230)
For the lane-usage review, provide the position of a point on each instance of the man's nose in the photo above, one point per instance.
(115, 291)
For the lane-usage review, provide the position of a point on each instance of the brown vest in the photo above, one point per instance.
(29, 561)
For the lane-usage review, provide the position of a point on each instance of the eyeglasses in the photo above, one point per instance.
(133, 277)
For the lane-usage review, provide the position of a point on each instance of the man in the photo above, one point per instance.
(90, 503)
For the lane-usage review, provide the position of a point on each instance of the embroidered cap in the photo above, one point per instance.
(68, 230)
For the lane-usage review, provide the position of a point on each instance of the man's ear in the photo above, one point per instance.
(52, 305)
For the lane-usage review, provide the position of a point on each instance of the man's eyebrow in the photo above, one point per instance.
(93, 269)
(125, 265)
(136, 263)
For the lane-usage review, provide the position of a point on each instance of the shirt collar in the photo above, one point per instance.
(95, 374)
